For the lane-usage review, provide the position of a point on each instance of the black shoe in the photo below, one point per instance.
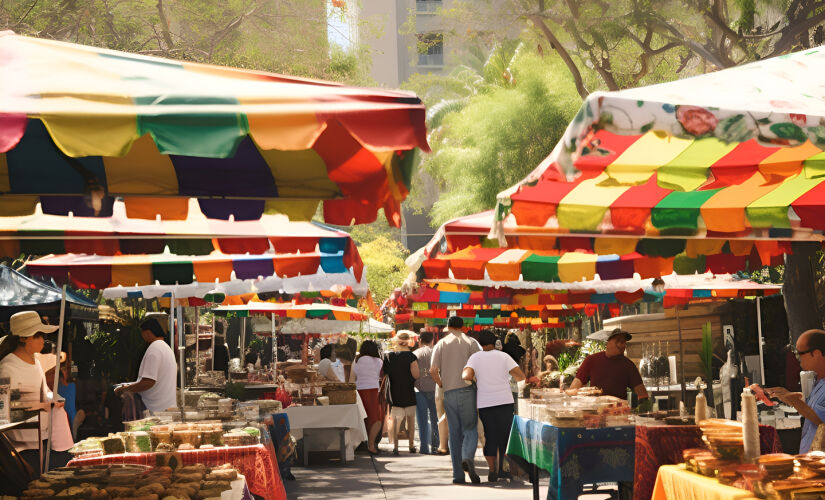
(456, 481)
(505, 475)
(492, 477)
(395, 453)
(470, 468)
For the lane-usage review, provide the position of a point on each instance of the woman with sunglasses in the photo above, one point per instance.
(19, 364)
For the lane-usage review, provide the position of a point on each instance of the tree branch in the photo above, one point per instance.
(565, 56)
(791, 32)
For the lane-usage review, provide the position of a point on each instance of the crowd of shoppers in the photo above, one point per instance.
(444, 387)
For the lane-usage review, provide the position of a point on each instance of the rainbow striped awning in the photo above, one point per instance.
(734, 154)
(81, 125)
(290, 310)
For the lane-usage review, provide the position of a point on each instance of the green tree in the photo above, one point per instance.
(384, 261)
(283, 36)
(494, 125)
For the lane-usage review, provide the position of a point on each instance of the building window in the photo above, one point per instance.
(431, 49)
(427, 6)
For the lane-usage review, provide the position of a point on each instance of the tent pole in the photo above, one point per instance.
(197, 342)
(681, 355)
(274, 354)
(243, 342)
(759, 331)
(213, 341)
(56, 379)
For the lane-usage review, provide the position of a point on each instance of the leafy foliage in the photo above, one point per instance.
(493, 125)
(384, 261)
(119, 348)
(283, 36)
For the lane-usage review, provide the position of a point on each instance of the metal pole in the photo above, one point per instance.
(274, 354)
(213, 341)
(243, 342)
(56, 379)
(681, 356)
(197, 342)
(759, 331)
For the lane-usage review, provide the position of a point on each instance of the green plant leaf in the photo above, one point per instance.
(788, 131)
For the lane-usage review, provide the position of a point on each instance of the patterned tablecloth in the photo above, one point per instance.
(658, 445)
(574, 456)
(254, 462)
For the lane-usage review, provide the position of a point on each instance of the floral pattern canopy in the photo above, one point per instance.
(735, 154)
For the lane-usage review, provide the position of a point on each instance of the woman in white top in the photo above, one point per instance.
(366, 371)
(329, 367)
(19, 364)
(491, 370)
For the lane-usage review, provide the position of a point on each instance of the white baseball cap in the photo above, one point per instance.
(28, 323)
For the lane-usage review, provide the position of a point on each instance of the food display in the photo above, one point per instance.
(195, 482)
(588, 409)
(167, 437)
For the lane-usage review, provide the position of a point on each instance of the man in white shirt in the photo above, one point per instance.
(449, 357)
(156, 382)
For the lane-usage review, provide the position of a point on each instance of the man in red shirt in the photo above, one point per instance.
(610, 370)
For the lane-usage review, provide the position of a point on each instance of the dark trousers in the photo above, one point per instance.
(56, 459)
(497, 421)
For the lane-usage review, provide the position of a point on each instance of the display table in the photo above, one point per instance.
(573, 456)
(254, 462)
(323, 420)
(674, 482)
(658, 445)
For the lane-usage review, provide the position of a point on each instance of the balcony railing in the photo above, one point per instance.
(431, 59)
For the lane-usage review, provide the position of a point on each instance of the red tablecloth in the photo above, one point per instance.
(254, 462)
(658, 445)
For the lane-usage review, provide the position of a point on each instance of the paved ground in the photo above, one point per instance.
(405, 477)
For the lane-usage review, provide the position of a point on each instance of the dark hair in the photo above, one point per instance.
(425, 337)
(455, 322)
(8, 344)
(486, 337)
(153, 326)
(326, 351)
(816, 340)
(368, 348)
(512, 338)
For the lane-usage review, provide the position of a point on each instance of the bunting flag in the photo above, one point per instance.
(294, 311)
(157, 131)
(733, 154)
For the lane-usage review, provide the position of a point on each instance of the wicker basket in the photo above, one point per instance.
(340, 393)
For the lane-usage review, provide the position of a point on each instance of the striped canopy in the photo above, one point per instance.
(119, 234)
(80, 125)
(735, 154)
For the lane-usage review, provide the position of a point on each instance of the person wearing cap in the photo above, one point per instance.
(611, 371)
(492, 369)
(449, 358)
(156, 381)
(19, 363)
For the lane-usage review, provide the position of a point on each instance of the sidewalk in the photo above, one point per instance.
(405, 477)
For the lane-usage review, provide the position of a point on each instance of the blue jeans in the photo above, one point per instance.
(462, 419)
(427, 420)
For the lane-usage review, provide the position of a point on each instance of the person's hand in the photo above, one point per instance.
(571, 392)
(60, 404)
(784, 395)
(119, 390)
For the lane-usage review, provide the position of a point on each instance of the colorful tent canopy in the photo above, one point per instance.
(80, 125)
(732, 154)
(40, 234)
(229, 274)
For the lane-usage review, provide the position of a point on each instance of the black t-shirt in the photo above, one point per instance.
(515, 351)
(397, 367)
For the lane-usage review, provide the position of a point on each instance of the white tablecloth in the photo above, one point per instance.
(318, 417)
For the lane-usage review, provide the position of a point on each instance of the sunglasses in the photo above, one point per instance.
(799, 354)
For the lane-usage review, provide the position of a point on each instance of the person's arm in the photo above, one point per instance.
(468, 374)
(796, 400)
(414, 370)
(435, 362)
(575, 386)
(139, 386)
(641, 392)
(517, 374)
